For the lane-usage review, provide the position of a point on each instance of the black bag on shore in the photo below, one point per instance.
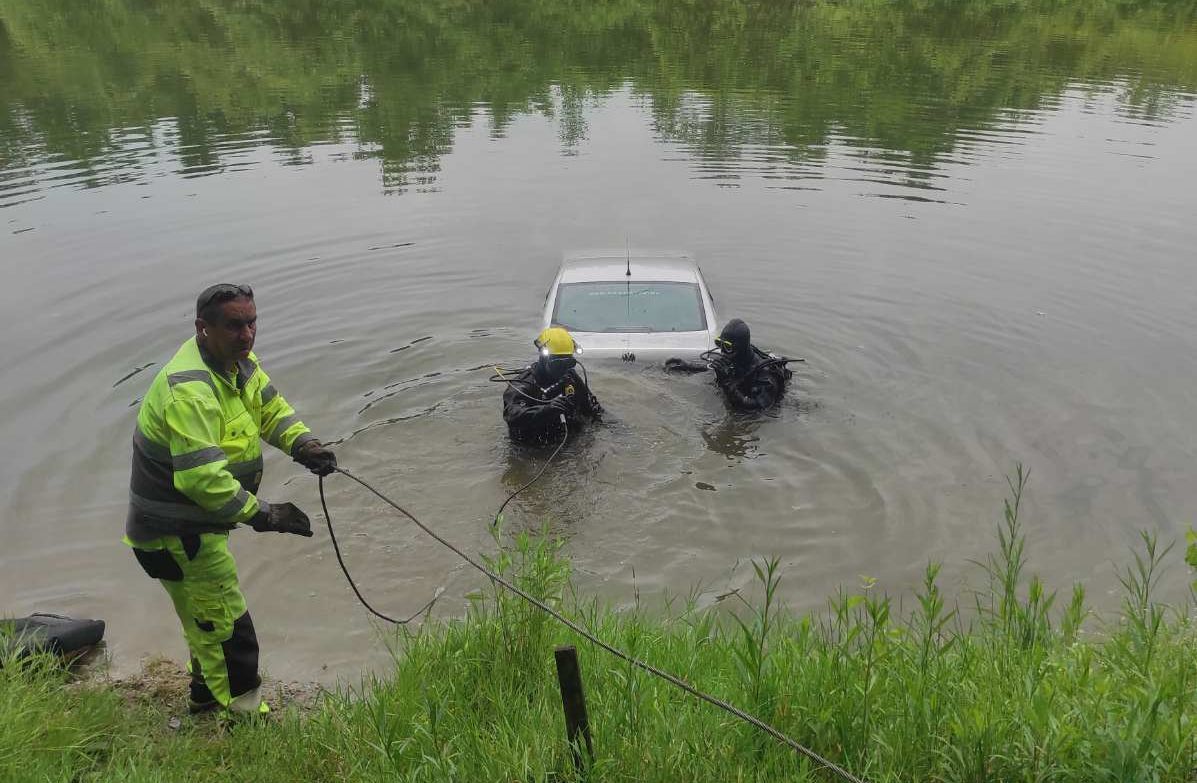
(52, 633)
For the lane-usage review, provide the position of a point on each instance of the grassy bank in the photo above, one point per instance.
(1024, 690)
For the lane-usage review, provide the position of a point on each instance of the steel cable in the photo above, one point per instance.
(822, 762)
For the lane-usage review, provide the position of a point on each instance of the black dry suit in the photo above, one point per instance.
(750, 378)
(533, 405)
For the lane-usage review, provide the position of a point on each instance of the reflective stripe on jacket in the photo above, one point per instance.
(197, 454)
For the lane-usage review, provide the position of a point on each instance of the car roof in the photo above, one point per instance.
(613, 265)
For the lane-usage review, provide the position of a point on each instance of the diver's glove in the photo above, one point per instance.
(562, 405)
(596, 409)
(675, 364)
(282, 518)
(316, 457)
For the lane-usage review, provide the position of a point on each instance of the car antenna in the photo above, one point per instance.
(628, 276)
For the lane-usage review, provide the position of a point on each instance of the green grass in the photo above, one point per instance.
(1022, 690)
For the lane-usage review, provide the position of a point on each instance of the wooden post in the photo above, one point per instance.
(573, 701)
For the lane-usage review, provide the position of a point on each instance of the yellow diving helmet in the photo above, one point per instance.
(558, 352)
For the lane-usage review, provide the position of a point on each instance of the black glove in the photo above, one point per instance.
(316, 457)
(596, 410)
(676, 364)
(562, 405)
(282, 518)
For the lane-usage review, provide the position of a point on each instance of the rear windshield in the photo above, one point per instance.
(629, 307)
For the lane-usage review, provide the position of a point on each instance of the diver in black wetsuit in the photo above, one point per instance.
(547, 397)
(749, 378)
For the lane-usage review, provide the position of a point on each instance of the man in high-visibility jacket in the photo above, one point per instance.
(197, 462)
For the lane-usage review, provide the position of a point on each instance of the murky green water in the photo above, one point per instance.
(975, 220)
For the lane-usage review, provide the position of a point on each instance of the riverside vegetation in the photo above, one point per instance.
(999, 684)
(914, 80)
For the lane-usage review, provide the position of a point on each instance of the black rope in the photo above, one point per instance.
(345, 570)
(341, 562)
(673, 680)
(535, 478)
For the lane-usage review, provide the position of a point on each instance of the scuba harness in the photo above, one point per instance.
(725, 365)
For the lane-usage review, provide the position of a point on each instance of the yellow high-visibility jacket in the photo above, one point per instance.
(197, 453)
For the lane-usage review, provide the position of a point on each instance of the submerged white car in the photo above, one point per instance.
(636, 307)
